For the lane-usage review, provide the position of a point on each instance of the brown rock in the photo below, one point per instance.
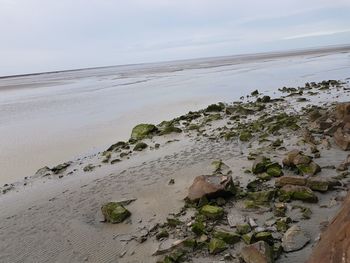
(334, 245)
(259, 252)
(290, 179)
(289, 159)
(210, 186)
(342, 139)
(343, 111)
(345, 164)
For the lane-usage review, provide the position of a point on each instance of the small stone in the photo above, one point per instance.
(142, 131)
(259, 252)
(227, 236)
(162, 234)
(212, 212)
(114, 212)
(217, 246)
(243, 229)
(140, 146)
(294, 239)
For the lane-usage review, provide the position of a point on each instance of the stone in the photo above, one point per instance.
(318, 184)
(263, 164)
(344, 165)
(61, 167)
(290, 179)
(212, 212)
(243, 229)
(162, 234)
(168, 246)
(227, 236)
(210, 186)
(245, 136)
(342, 139)
(116, 146)
(303, 163)
(215, 107)
(114, 212)
(168, 129)
(42, 172)
(297, 192)
(140, 146)
(198, 228)
(259, 252)
(264, 236)
(216, 246)
(219, 167)
(343, 111)
(261, 197)
(310, 169)
(235, 219)
(294, 239)
(142, 131)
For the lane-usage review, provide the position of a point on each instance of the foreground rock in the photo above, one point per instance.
(296, 192)
(259, 252)
(314, 183)
(303, 163)
(210, 186)
(114, 212)
(342, 138)
(142, 131)
(294, 239)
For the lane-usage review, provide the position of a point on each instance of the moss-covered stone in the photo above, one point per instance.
(140, 146)
(243, 228)
(274, 169)
(211, 211)
(215, 107)
(264, 236)
(318, 184)
(169, 129)
(245, 136)
(217, 245)
(198, 228)
(114, 212)
(264, 176)
(162, 234)
(261, 197)
(117, 146)
(173, 222)
(226, 236)
(247, 238)
(142, 131)
(296, 192)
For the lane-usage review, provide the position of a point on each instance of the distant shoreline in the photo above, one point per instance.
(222, 59)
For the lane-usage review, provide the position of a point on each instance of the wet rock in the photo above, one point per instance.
(114, 212)
(263, 164)
(142, 131)
(264, 236)
(227, 236)
(318, 184)
(217, 245)
(140, 146)
(60, 168)
(215, 107)
(243, 228)
(212, 212)
(42, 172)
(219, 167)
(296, 192)
(168, 128)
(168, 246)
(198, 228)
(88, 168)
(290, 179)
(303, 163)
(162, 234)
(259, 252)
(116, 146)
(210, 186)
(261, 197)
(294, 239)
(342, 139)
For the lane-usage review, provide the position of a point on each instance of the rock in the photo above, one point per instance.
(290, 179)
(114, 212)
(210, 186)
(217, 246)
(343, 111)
(243, 229)
(259, 252)
(162, 234)
(294, 239)
(142, 131)
(61, 167)
(255, 93)
(289, 159)
(169, 128)
(303, 163)
(345, 164)
(318, 184)
(261, 197)
(212, 212)
(42, 172)
(234, 219)
(309, 169)
(198, 228)
(342, 139)
(219, 167)
(116, 146)
(264, 236)
(263, 164)
(245, 136)
(168, 246)
(226, 236)
(140, 146)
(215, 107)
(297, 192)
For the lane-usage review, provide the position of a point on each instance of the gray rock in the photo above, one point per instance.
(294, 239)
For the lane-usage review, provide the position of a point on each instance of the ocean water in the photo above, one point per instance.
(47, 119)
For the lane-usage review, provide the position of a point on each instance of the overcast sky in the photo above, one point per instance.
(46, 35)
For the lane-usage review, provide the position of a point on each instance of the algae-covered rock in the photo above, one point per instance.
(296, 192)
(217, 245)
(303, 163)
(318, 184)
(142, 131)
(227, 236)
(168, 127)
(263, 164)
(60, 168)
(261, 197)
(211, 211)
(114, 212)
(243, 228)
(259, 252)
(162, 234)
(245, 136)
(117, 146)
(219, 167)
(198, 228)
(215, 107)
(140, 146)
(264, 236)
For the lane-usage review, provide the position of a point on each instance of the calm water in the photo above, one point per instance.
(51, 118)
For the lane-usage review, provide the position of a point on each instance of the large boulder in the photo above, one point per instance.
(294, 239)
(259, 252)
(210, 186)
(114, 212)
(142, 131)
(342, 138)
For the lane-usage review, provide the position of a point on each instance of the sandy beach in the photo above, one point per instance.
(54, 215)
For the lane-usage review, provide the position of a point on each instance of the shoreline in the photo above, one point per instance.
(67, 206)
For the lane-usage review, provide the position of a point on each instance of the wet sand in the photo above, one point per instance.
(51, 118)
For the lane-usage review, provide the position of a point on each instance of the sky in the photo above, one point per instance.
(48, 35)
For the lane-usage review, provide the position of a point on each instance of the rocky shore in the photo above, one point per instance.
(252, 181)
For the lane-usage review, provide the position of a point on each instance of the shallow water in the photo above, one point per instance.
(50, 118)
